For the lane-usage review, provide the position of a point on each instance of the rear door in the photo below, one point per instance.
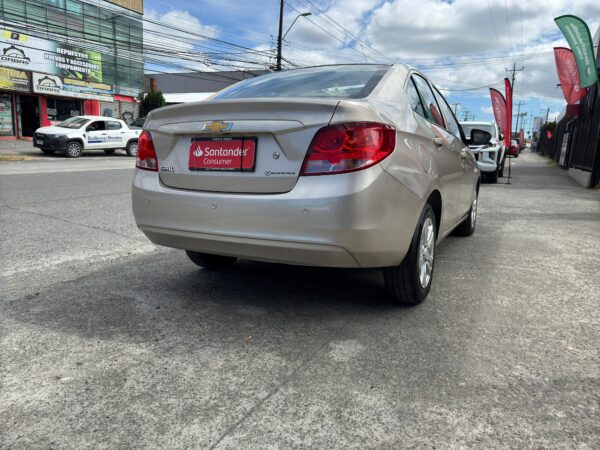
(238, 146)
(115, 134)
(446, 151)
(467, 160)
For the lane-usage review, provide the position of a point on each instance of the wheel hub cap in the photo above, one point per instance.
(426, 249)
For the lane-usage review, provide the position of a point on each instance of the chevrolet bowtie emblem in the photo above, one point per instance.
(218, 125)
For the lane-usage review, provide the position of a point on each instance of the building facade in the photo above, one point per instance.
(62, 58)
(194, 86)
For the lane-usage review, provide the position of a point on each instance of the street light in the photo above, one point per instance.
(280, 37)
(297, 17)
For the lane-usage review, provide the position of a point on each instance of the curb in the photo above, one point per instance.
(18, 158)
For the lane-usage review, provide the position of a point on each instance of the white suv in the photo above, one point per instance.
(80, 133)
(490, 157)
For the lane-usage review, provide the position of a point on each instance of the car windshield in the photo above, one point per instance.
(467, 127)
(73, 122)
(355, 81)
(138, 123)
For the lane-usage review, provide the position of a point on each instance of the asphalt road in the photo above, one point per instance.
(109, 342)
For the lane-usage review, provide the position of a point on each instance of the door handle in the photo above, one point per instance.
(438, 142)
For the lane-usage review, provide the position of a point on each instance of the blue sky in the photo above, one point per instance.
(463, 45)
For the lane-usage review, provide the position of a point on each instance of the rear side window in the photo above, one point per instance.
(432, 110)
(414, 99)
(112, 125)
(453, 126)
(356, 81)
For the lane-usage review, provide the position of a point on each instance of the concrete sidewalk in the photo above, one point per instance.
(19, 150)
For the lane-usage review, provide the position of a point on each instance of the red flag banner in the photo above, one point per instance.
(568, 74)
(508, 88)
(499, 107)
(522, 136)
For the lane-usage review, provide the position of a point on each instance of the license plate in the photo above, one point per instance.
(223, 154)
(39, 142)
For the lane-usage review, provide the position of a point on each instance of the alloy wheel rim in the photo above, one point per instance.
(474, 212)
(133, 149)
(426, 250)
(73, 149)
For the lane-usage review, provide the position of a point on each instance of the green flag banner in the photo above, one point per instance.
(579, 38)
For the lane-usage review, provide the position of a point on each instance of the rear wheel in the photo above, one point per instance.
(132, 148)
(408, 283)
(211, 262)
(501, 172)
(467, 227)
(73, 149)
(492, 177)
(109, 151)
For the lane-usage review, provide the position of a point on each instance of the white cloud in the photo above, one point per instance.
(173, 49)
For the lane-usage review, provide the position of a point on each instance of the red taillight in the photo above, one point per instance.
(347, 147)
(146, 155)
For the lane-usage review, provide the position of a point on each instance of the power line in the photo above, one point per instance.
(345, 30)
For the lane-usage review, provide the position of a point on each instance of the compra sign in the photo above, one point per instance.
(69, 87)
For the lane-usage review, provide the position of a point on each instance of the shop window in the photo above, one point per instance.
(59, 109)
(7, 126)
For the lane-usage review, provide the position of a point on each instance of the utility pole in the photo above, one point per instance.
(456, 105)
(279, 37)
(547, 112)
(514, 71)
(518, 115)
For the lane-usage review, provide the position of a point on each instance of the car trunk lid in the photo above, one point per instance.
(259, 145)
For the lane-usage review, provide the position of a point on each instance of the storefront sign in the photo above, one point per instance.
(68, 87)
(21, 51)
(14, 80)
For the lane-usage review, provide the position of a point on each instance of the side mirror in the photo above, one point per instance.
(480, 137)
(501, 138)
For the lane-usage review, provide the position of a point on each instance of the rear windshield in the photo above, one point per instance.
(485, 127)
(73, 122)
(331, 81)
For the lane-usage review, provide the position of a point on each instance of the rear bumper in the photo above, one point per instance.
(486, 159)
(362, 219)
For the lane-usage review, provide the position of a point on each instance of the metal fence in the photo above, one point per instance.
(585, 139)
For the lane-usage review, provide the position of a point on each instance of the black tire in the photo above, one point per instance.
(492, 177)
(73, 149)
(403, 282)
(467, 226)
(47, 151)
(501, 171)
(132, 148)
(109, 151)
(211, 262)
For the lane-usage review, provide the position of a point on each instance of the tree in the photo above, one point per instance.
(151, 101)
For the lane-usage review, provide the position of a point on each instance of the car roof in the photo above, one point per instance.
(97, 117)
